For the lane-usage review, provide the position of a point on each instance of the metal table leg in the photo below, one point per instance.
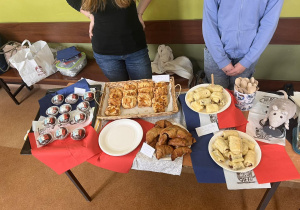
(268, 195)
(78, 185)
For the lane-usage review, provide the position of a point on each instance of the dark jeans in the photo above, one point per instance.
(132, 66)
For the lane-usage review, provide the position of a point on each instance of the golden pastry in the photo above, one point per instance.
(130, 93)
(144, 100)
(115, 93)
(114, 102)
(163, 99)
(129, 102)
(130, 86)
(148, 90)
(145, 83)
(112, 111)
(161, 90)
(158, 107)
(161, 84)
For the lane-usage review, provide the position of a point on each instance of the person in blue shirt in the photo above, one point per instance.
(236, 32)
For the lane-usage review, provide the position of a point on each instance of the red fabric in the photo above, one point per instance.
(232, 117)
(121, 164)
(275, 165)
(62, 155)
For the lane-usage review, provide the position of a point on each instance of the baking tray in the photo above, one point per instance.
(136, 112)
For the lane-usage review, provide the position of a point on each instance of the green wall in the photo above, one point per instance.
(278, 62)
(60, 11)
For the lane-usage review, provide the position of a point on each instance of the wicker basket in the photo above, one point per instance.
(136, 112)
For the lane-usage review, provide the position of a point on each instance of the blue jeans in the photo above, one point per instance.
(220, 78)
(132, 66)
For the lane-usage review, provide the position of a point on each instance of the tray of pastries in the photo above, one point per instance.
(137, 99)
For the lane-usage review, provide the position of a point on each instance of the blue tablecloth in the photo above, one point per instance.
(45, 102)
(205, 169)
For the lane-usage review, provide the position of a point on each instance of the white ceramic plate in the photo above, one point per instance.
(226, 94)
(120, 137)
(225, 164)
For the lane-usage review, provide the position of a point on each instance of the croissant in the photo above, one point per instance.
(180, 151)
(152, 136)
(180, 142)
(163, 150)
(163, 138)
(175, 131)
(163, 123)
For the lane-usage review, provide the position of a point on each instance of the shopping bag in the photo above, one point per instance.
(34, 63)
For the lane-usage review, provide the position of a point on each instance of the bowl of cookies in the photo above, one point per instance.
(234, 151)
(208, 99)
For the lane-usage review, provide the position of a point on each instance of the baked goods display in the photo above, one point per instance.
(234, 150)
(137, 94)
(207, 98)
(169, 139)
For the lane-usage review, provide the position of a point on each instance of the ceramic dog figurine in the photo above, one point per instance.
(280, 111)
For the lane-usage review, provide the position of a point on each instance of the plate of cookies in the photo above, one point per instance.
(234, 151)
(208, 99)
(137, 99)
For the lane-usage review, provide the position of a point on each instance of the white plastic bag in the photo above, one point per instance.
(34, 63)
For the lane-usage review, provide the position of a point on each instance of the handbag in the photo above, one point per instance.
(3, 63)
(34, 63)
(11, 48)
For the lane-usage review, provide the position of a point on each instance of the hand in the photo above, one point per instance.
(141, 20)
(238, 69)
(228, 68)
(91, 26)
